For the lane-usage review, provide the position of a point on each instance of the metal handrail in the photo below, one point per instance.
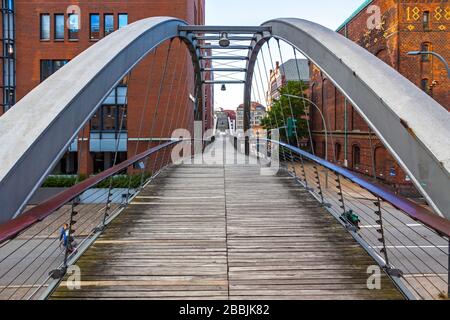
(40, 212)
(413, 210)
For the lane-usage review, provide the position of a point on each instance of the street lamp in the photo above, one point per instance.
(321, 114)
(418, 53)
(324, 127)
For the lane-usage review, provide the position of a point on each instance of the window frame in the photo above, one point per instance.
(91, 15)
(41, 25)
(118, 20)
(104, 24)
(426, 21)
(71, 33)
(55, 29)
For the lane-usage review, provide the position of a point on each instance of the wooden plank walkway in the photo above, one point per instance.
(225, 232)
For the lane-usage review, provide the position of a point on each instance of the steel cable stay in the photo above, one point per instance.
(63, 214)
(401, 259)
(334, 208)
(143, 111)
(285, 124)
(166, 114)
(175, 104)
(52, 243)
(122, 117)
(304, 104)
(45, 272)
(158, 102)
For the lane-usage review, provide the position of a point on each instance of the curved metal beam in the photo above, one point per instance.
(39, 129)
(413, 126)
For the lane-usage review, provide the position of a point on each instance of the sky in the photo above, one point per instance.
(329, 13)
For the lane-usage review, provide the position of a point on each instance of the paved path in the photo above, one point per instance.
(223, 231)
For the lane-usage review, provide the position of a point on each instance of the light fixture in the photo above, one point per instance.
(224, 88)
(224, 41)
(10, 50)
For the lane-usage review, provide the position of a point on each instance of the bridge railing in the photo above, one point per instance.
(407, 240)
(32, 253)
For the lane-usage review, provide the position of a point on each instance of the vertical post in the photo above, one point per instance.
(247, 106)
(302, 168)
(340, 193)
(257, 146)
(319, 185)
(379, 213)
(72, 222)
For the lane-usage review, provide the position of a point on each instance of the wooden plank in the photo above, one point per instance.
(225, 232)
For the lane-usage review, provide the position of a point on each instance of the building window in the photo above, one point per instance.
(123, 20)
(337, 151)
(94, 20)
(59, 27)
(425, 85)
(356, 157)
(45, 27)
(113, 112)
(426, 20)
(108, 24)
(49, 67)
(105, 160)
(74, 26)
(426, 47)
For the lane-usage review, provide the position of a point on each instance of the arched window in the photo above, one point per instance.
(337, 152)
(356, 156)
(380, 158)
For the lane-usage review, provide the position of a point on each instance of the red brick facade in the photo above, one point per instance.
(404, 28)
(30, 50)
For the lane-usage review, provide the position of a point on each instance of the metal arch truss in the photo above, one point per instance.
(39, 129)
(413, 126)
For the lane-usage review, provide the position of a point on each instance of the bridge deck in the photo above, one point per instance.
(225, 232)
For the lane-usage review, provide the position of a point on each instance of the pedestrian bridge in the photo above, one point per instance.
(225, 232)
(230, 230)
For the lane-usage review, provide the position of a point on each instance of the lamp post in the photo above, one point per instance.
(324, 128)
(437, 55)
(321, 114)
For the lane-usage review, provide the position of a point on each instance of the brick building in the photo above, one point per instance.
(291, 70)
(39, 37)
(406, 25)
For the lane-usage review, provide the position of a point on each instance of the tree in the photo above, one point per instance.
(286, 108)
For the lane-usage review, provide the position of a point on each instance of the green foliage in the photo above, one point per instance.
(280, 113)
(119, 181)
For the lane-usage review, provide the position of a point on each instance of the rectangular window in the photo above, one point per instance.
(425, 48)
(74, 26)
(426, 20)
(49, 67)
(95, 26)
(114, 108)
(45, 27)
(108, 24)
(59, 26)
(123, 20)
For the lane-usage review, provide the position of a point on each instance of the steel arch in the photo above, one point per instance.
(37, 131)
(413, 126)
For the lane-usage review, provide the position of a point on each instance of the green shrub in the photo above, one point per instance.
(122, 181)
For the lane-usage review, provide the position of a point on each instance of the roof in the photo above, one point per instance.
(354, 14)
(290, 67)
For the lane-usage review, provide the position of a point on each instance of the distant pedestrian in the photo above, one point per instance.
(67, 241)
